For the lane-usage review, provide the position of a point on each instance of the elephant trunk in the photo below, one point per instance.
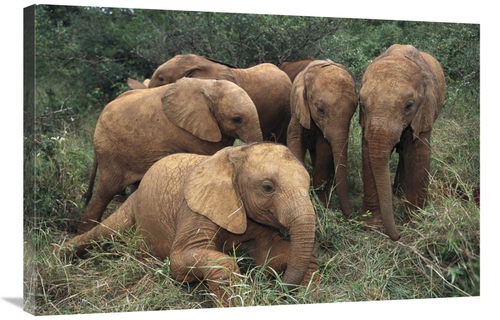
(302, 232)
(338, 139)
(252, 135)
(379, 155)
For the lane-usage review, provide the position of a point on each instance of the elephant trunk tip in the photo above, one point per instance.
(394, 236)
(391, 229)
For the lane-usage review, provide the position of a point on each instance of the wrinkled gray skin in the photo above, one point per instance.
(402, 93)
(323, 101)
(197, 209)
(140, 127)
(267, 86)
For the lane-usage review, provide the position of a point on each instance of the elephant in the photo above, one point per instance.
(323, 101)
(135, 84)
(197, 209)
(293, 68)
(140, 127)
(402, 93)
(267, 86)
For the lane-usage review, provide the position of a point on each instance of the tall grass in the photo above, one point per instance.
(438, 255)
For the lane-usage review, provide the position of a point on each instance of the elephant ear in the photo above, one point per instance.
(209, 191)
(188, 73)
(134, 84)
(298, 100)
(188, 104)
(430, 106)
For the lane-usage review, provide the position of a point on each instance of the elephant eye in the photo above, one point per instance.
(267, 186)
(237, 120)
(409, 106)
(361, 106)
(320, 109)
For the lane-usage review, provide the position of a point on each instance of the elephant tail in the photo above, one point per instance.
(87, 195)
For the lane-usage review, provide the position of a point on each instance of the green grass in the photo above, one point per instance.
(438, 255)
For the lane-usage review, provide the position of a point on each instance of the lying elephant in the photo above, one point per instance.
(196, 209)
(142, 126)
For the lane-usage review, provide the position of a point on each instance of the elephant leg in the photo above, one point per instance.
(270, 249)
(282, 130)
(88, 194)
(206, 264)
(295, 139)
(108, 186)
(400, 176)
(312, 156)
(323, 170)
(370, 197)
(121, 197)
(120, 220)
(413, 176)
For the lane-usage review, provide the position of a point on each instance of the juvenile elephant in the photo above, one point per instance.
(401, 96)
(266, 84)
(142, 126)
(293, 68)
(135, 84)
(196, 209)
(323, 101)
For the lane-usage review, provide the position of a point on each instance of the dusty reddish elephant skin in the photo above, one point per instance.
(267, 86)
(195, 209)
(323, 101)
(142, 126)
(401, 95)
(293, 68)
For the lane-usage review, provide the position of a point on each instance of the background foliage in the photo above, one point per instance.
(84, 56)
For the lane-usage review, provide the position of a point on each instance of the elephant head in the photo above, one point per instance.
(190, 66)
(323, 100)
(227, 110)
(263, 183)
(401, 95)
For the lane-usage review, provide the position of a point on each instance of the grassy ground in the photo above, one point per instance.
(438, 255)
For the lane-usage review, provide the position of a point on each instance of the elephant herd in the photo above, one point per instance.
(196, 195)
